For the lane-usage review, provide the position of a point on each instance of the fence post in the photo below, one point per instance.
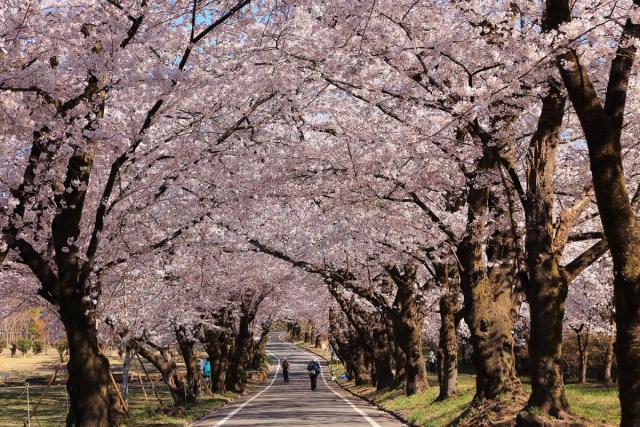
(26, 383)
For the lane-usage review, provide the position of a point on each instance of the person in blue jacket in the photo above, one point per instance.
(206, 370)
(314, 370)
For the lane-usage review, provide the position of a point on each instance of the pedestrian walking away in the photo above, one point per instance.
(431, 360)
(314, 370)
(285, 370)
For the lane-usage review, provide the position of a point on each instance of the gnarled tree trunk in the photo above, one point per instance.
(241, 357)
(259, 351)
(447, 355)
(487, 298)
(218, 345)
(92, 401)
(348, 350)
(547, 280)
(163, 362)
(195, 380)
(408, 327)
(602, 126)
(373, 335)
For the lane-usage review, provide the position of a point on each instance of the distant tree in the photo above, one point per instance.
(38, 346)
(24, 344)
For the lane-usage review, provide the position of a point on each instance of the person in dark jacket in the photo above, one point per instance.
(285, 369)
(314, 370)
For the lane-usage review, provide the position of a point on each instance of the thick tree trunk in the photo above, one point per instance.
(627, 290)
(382, 358)
(297, 332)
(400, 365)
(360, 365)
(547, 284)
(395, 349)
(448, 346)
(487, 299)
(241, 358)
(348, 350)
(92, 402)
(408, 327)
(602, 126)
(373, 335)
(259, 351)
(545, 346)
(195, 380)
(218, 345)
(236, 374)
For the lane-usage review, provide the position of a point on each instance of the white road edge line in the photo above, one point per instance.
(354, 407)
(235, 411)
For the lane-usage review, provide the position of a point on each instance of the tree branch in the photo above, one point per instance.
(585, 259)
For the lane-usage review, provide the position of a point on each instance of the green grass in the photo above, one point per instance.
(142, 415)
(594, 401)
(53, 409)
(422, 408)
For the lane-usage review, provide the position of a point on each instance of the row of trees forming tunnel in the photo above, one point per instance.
(226, 334)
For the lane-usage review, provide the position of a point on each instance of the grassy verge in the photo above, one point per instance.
(143, 410)
(53, 409)
(594, 401)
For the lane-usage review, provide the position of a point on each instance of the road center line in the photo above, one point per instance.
(354, 407)
(235, 411)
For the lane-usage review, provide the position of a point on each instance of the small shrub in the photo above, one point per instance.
(38, 346)
(3, 344)
(24, 344)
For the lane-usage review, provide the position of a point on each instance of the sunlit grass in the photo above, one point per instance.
(53, 408)
(594, 401)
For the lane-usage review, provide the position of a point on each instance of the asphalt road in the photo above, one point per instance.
(276, 403)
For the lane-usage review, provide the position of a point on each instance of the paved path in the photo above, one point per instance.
(276, 403)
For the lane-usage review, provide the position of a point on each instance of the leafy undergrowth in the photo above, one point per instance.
(593, 401)
(143, 416)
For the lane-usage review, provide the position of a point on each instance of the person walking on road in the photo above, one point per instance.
(431, 360)
(314, 370)
(285, 369)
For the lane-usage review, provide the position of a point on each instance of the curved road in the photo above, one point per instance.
(275, 403)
